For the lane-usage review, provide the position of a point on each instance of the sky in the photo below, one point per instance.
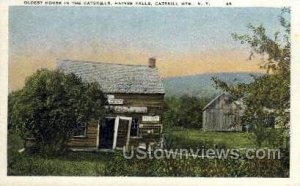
(185, 41)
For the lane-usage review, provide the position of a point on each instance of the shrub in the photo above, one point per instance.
(50, 106)
(184, 111)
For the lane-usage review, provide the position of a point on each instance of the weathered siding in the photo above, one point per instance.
(153, 102)
(122, 133)
(221, 115)
(149, 131)
(220, 120)
(89, 141)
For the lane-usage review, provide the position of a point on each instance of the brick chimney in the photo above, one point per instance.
(152, 62)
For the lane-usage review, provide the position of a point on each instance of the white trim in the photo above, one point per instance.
(98, 135)
(125, 118)
(129, 128)
(116, 127)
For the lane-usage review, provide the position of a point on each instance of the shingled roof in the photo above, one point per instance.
(116, 78)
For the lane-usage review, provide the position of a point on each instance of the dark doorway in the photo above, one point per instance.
(107, 133)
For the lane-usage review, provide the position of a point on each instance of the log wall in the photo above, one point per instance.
(149, 131)
(89, 141)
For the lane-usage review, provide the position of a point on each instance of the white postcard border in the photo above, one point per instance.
(52, 180)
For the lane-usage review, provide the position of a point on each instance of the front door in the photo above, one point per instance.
(115, 132)
(107, 133)
(123, 135)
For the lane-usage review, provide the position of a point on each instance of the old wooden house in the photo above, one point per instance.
(135, 95)
(222, 114)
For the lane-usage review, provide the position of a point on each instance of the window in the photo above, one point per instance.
(134, 127)
(80, 130)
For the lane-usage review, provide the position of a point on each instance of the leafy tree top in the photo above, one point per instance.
(51, 104)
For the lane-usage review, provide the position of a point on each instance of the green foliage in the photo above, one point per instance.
(70, 164)
(268, 96)
(12, 98)
(114, 164)
(195, 138)
(101, 164)
(50, 106)
(119, 166)
(184, 111)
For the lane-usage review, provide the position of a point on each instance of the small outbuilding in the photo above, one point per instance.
(222, 114)
(135, 97)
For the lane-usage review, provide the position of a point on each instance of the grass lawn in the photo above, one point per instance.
(69, 164)
(114, 164)
(227, 139)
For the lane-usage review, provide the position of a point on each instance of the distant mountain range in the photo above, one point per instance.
(201, 85)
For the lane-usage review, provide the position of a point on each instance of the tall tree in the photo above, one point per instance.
(268, 96)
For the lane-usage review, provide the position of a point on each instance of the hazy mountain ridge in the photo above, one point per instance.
(201, 85)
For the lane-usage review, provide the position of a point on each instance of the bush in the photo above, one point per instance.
(184, 111)
(50, 106)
